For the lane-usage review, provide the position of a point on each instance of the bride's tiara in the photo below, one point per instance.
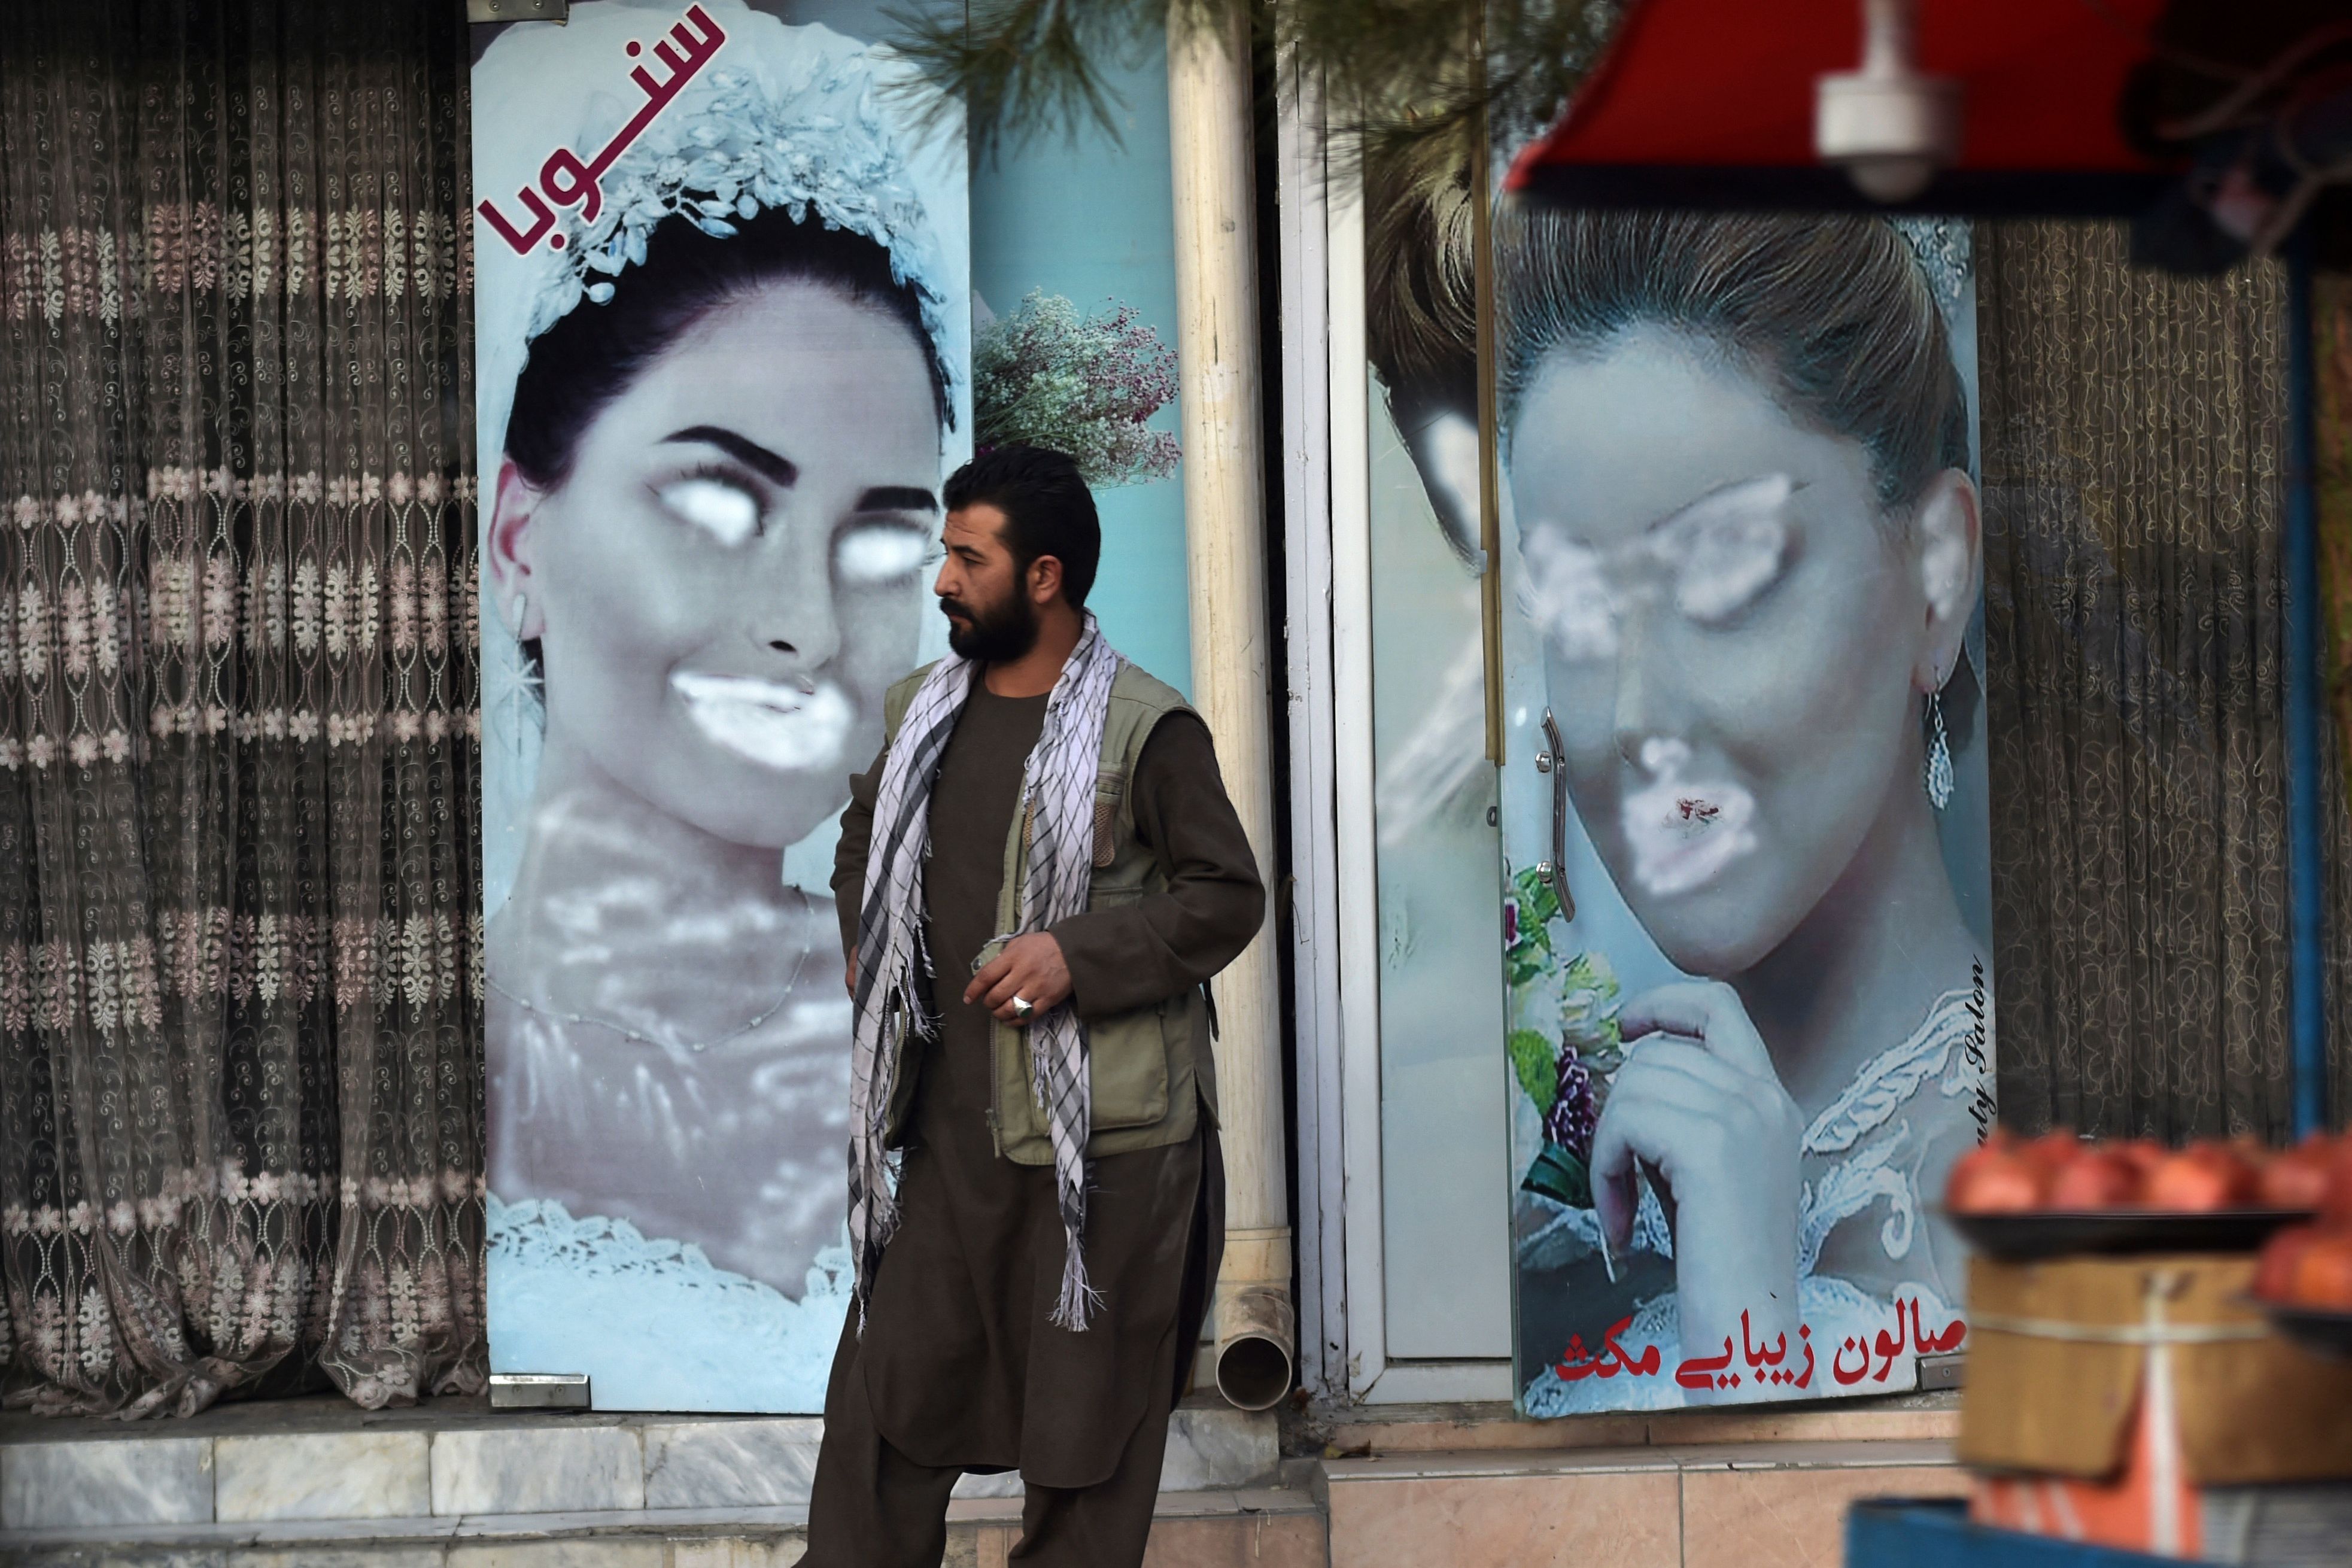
(823, 152)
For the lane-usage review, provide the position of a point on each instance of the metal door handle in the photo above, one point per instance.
(1554, 760)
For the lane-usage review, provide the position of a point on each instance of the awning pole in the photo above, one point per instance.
(2306, 921)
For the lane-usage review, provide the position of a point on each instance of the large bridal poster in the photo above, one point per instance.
(724, 363)
(1698, 976)
(1744, 815)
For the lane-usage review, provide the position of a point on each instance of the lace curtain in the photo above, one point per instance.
(240, 1112)
(2134, 429)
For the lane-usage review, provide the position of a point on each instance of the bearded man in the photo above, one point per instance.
(1037, 877)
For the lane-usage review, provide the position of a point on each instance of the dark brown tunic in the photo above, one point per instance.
(959, 1364)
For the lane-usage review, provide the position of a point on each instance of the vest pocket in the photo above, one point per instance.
(1128, 1063)
(1108, 786)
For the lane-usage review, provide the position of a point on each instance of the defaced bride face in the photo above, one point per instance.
(1738, 625)
(728, 575)
(1730, 629)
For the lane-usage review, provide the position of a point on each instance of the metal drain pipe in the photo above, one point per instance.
(1208, 114)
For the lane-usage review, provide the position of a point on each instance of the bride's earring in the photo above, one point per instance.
(529, 685)
(1939, 754)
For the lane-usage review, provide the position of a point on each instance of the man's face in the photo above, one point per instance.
(983, 591)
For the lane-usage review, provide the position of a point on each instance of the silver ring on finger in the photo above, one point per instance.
(1022, 1009)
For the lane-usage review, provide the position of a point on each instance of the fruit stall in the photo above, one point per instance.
(2159, 1358)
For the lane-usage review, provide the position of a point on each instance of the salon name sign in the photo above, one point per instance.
(1768, 1365)
(565, 180)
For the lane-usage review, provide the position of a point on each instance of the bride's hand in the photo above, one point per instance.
(1698, 1104)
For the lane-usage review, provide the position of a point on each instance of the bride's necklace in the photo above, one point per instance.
(792, 984)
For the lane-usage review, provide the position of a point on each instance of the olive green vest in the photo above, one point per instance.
(1152, 1069)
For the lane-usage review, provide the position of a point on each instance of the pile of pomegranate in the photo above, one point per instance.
(2058, 1173)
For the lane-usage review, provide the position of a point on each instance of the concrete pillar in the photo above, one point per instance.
(1208, 113)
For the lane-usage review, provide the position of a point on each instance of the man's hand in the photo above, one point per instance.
(849, 974)
(1030, 967)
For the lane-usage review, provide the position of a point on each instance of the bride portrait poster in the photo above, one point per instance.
(724, 365)
(1737, 833)
(1746, 944)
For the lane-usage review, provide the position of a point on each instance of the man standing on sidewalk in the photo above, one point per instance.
(1036, 878)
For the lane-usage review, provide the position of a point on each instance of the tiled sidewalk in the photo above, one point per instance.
(319, 1482)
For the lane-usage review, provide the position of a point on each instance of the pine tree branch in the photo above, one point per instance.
(1394, 72)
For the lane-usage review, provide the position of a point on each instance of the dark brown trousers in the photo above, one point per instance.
(874, 1506)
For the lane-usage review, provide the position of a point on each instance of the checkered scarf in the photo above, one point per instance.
(1058, 795)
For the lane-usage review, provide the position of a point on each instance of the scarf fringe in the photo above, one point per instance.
(1078, 1300)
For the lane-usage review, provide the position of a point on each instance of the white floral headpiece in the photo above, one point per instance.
(792, 116)
(822, 151)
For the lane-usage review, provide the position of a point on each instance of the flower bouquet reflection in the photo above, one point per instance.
(1565, 1070)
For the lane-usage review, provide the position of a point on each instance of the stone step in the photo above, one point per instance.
(1261, 1528)
(314, 1460)
(319, 1483)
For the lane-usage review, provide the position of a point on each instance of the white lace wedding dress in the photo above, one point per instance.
(1865, 1150)
(665, 1327)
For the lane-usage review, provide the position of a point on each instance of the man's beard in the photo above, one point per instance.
(999, 635)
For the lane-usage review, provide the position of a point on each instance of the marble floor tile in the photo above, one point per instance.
(1003, 1484)
(595, 1552)
(684, 1521)
(126, 1557)
(406, 1556)
(292, 1532)
(1219, 1447)
(128, 1480)
(734, 1552)
(323, 1475)
(1628, 1518)
(1790, 1519)
(547, 1469)
(731, 1464)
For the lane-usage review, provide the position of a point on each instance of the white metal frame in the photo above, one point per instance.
(1335, 968)
(1307, 602)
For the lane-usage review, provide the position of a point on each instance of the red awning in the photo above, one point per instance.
(1695, 96)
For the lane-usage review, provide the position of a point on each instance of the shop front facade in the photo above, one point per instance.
(1592, 650)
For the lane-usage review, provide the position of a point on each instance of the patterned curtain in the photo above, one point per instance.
(240, 1102)
(2134, 432)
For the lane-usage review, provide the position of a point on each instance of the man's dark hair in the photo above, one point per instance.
(1048, 511)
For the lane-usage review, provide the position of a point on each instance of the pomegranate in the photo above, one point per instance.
(2274, 1275)
(2323, 1274)
(2097, 1179)
(1996, 1178)
(2202, 1179)
(2297, 1179)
